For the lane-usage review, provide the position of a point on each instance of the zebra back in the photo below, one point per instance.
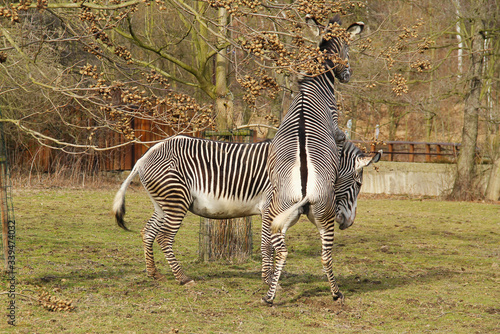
(223, 170)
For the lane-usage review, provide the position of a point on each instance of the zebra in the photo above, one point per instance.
(215, 180)
(347, 189)
(303, 162)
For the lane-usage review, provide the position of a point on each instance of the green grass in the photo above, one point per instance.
(405, 266)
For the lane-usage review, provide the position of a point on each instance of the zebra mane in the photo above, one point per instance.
(336, 19)
(305, 78)
(349, 148)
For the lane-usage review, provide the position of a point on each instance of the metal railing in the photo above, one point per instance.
(413, 151)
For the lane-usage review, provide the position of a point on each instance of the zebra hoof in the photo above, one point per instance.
(266, 301)
(339, 296)
(157, 276)
(188, 282)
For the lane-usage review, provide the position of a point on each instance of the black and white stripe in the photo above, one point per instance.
(209, 178)
(184, 173)
(303, 164)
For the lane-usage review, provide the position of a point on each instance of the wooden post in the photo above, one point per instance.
(427, 152)
(228, 239)
(412, 152)
(391, 150)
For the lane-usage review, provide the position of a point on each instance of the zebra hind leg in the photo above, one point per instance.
(149, 233)
(166, 240)
(325, 222)
(175, 206)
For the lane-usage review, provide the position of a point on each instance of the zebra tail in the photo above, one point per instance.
(119, 201)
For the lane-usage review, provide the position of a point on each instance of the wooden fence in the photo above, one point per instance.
(45, 159)
(411, 151)
(124, 158)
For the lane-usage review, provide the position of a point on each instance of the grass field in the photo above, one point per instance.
(405, 266)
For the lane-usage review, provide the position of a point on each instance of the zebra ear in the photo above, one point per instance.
(314, 25)
(377, 156)
(355, 29)
(366, 160)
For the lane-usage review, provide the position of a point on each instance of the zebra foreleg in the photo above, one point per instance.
(278, 242)
(327, 261)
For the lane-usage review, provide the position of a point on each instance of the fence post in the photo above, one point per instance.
(391, 150)
(427, 152)
(412, 152)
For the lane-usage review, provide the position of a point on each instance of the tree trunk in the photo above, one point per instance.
(493, 188)
(224, 102)
(392, 122)
(464, 188)
(6, 207)
(229, 239)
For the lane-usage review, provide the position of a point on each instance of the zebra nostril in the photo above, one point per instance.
(341, 219)
(346, 76)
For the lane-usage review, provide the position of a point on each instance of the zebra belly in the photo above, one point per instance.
(208, 206)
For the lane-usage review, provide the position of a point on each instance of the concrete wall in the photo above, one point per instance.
(407, 178)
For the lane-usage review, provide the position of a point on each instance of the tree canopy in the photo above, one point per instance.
(71, 71)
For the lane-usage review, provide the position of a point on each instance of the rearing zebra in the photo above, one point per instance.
(303, 163)
(215, 180)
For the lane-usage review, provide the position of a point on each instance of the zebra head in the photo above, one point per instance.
(348, 185)
(335, 42)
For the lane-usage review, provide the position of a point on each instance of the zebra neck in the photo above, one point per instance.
(321, 86)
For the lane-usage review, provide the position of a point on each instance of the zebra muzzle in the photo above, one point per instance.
(345, 76)
(343, 221)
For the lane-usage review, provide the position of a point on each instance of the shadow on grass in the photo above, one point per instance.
(353, 285)
(305, 285)
(316, 285)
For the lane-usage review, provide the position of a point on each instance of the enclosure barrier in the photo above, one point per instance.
(44, 159)
(412, 151)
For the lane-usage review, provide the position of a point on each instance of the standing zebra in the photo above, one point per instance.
(303, 163)
(215, 180)
(347, 188)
